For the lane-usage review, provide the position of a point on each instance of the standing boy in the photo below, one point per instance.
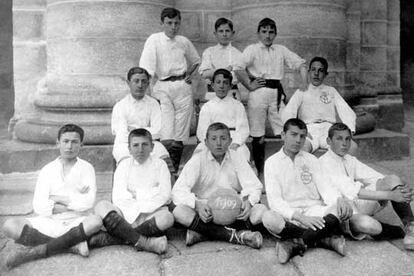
(318, 107)
(302, 204)
(64, 195)
(221, 56)
(141, 191)
(207, 171)
(264, 69)
(369, 190)
(225, 109)
(173, 59)
(136, 110)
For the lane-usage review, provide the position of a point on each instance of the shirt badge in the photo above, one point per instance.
(325, 98)
(306, 175)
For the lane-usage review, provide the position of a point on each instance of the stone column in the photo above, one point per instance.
(309, 28)
(90, 47)
(29, 53)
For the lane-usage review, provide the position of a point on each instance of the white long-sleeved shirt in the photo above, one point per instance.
(319, 104)
(297, 184)
(227, 111)
(269, 62)
(141, 188)
(347, 174)
(129, 114)
(165, 57)
(219, 56)
(52, 182)
(202, 175)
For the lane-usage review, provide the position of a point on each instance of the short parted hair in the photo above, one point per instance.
(139, 132)
(223, 21)
(226, 74)
(322, 60)
(170, 13)
(338, 127)
(294, 122)
(265, 22)
(137, 70)
(217, 126)
(71, 128)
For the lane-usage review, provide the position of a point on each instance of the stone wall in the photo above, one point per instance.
(90, 45)
(6, 63)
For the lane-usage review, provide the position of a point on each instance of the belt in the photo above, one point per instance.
(276, 84)
(175, 78)
(232, 128)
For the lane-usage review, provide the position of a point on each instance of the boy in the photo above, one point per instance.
(136, 110)
(213, 168)
(173, 59)
(64, 194)
(264, 69)
(302, 204)
(223, 108)
(141, 191)
(318, 106)
(369, 190)
(221, 56)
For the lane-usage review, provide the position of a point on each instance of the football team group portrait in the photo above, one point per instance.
(231, 184)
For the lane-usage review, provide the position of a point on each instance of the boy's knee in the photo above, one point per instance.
(164, 220)
(92, 224)
(183, 214)
(307, 146)
(366, 225)
(256, 213)
(13, 227)
(273, 221)
(103, 207)
(389, 182)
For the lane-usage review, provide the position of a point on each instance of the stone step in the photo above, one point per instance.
(18, 156)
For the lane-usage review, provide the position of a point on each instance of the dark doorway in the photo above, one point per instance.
(407, 50)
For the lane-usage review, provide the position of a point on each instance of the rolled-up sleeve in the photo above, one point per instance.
(292, 60)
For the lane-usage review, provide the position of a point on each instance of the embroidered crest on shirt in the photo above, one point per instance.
(325, 98)
(306, 175)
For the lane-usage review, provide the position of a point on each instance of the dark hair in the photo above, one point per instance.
(170, 13)
(139, 132)
(322, 60)
(294, 122)
(267, 22)
(137, 70)
(338, 127)
(223, 21)
(226, 74)
(71, 128)
(217, 126)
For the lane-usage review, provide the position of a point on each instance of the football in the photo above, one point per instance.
(225, 205)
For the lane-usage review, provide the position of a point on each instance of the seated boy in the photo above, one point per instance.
(303, 206)
(318, 107)
(369, 190)
(263, 69)
(213, 168)
(221, 56)
(140, 194)
(223, 108)
(136, 110)
(64, 194)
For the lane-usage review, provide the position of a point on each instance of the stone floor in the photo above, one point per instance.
(218, 258)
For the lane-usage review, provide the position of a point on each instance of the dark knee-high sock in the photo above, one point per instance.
(149, 228)
(176, 150)
(67, 240)
(310, 237)
(258, 153)
(389, 232)
(31, 237)
(210, 230)
(403, 211)
(291, 231)
(119, 227)
(256, 227)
